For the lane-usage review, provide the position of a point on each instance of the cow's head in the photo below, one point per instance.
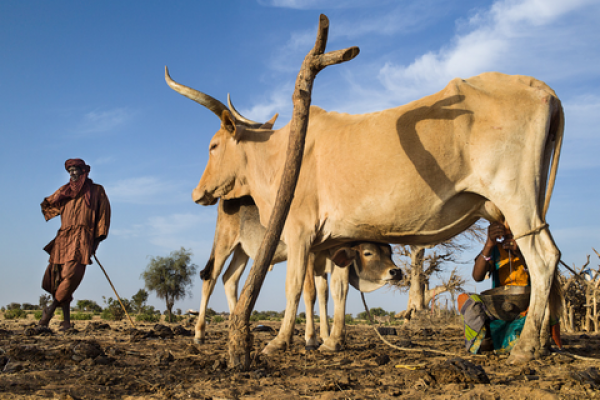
(371, 265)
(220, 178)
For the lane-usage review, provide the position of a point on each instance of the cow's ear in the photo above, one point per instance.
(228, 123)
(343, 257)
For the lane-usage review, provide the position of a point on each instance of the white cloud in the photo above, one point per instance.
(583, 116)
(512, 36)
(190, 230)
(146, 190)
(289, 56)
(99, 121)
(320, 4)
(279, 101)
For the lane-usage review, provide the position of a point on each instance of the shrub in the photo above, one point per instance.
(210, 312)
(15, 314)
(37, 315)
(109, 316)
(114, 311)
(81, 316)
(29, 307)
(147, 317)
(218, 318)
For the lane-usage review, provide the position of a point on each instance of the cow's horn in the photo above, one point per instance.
(239, 117)
(207, 101)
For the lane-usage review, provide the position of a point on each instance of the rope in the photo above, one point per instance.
(421, 349)
(532, 231)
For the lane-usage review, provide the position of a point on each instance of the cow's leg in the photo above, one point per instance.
(541, 256)
(310, 296)
(231, 277)
(339, 292)
(323, 295)
(296, 269)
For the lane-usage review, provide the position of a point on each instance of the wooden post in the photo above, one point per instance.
(240, 338)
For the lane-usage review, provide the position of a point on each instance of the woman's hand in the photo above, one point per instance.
(496, 231)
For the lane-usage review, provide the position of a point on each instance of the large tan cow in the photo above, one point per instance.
(367, 266)
(415, 174)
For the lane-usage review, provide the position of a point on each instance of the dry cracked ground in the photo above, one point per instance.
(100, 360)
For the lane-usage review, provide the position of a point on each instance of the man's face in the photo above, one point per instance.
(75, 173)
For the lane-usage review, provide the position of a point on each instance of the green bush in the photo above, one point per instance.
(147, 317)
(174, 318)
(114, 310)
(15, 313)
(218, 318)
(107, 315)
(81, 316)
(37, 315)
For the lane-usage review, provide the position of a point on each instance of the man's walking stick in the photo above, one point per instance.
(115, 290)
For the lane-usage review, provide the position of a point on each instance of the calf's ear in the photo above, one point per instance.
(343, 257)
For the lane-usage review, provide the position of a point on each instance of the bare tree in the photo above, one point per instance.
(419, 268)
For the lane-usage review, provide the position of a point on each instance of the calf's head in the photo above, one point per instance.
(371, 265)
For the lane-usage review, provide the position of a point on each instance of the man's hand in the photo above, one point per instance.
(96, 243)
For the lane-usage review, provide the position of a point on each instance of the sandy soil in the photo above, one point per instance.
(97, 360)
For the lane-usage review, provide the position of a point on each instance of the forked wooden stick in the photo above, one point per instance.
(240, 337)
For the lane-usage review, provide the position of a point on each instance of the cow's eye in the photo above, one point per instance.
(368, 254)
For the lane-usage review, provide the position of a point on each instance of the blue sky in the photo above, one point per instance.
(86, 80)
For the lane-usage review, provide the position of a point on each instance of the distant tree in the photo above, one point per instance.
(28, 306)
(139, 300)
(45, 300)
(375, 312)
(210, 312)
(170, 276)
(178, 311)
(87, 305)
(419, 267)
(13, 306)
(114, 310)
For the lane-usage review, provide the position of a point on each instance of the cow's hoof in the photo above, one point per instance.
(331, 345)
(273, 347)
(311, 347)
(519, 357)
(198, 340)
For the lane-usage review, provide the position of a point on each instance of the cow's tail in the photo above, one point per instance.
(555, 302)
(553, 143)
(206, 273)
(553, 146)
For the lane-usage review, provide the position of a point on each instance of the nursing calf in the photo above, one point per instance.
(367, 266)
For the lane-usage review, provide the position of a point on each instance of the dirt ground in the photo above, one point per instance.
(97, 360)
